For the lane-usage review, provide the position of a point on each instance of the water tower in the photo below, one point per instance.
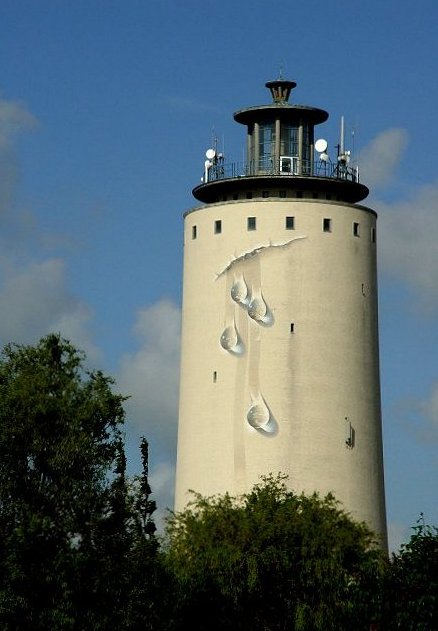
(280, 355)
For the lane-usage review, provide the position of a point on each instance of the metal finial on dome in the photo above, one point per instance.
(280, 89)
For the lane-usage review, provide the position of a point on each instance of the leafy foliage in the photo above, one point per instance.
(412, 582)
(273, 560)
(71, 526)
(78, 548)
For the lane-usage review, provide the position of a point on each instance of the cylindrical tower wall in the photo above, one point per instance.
(285, 378)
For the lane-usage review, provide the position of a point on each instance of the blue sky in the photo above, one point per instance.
(106, 109)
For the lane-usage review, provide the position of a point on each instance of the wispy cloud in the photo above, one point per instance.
(397, 535)
(428, 408)
(34, 300)
(419, 416)
(14, 118)
(162, 481)
(380, 159)
(150, 375)
(408, 244)
(189, 105)
(34, 294)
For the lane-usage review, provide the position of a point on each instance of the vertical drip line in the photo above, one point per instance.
(254, 340)
(239, 408)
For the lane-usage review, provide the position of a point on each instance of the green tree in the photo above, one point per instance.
(273, 560)
(70, 521)
(412, 582)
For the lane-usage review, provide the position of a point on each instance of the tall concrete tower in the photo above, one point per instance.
(280, 357)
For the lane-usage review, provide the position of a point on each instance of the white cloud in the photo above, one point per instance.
(162, 482)
(408, 242)
(188, 104)
(150, 376)
(34, 301)
(428, 408)
(14, 118)
(34, 298)
(379, 159)
(397, 535)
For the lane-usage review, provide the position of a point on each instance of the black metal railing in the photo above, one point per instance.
(287, 166)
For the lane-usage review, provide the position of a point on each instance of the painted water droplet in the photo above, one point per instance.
(257, 309)
(229, 339)
(239, 291)
(258, 415)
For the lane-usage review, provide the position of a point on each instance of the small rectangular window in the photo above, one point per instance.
(194, 232)
(356, 229)
(217, 226)
(373, 235)
(292, 327)
(290, 223)
(214, 376)
(251, 223)
(327, 224)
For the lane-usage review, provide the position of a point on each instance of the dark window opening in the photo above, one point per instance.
(373, 235)
(251, 223)
(217, 226)
(356, 229)
(214, 376)
(290, 223)
(292, 327)
(194, 232)
(327, 224)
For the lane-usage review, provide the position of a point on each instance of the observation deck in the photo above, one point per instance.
(280, 157)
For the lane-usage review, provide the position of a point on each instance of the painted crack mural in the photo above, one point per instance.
(245, 306)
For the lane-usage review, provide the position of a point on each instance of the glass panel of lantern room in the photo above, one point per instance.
(306, 156)
(250, 150)
(289, 140)
(266, 146)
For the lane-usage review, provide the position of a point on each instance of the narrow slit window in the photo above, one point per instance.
(194, 232)
(214, 376)
(373, 235)
(290, 223)
(292, 327)
(218, 226)
(327, 224)
(356, 230)
(251, 223)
